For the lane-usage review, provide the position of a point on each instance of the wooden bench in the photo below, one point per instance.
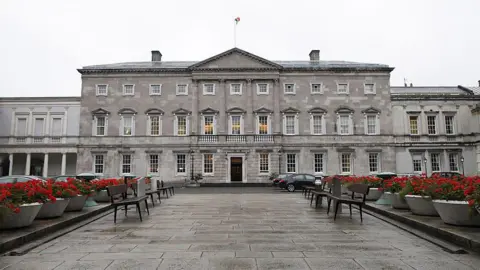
(122, 190)
(169, 188)
(165, 190)
(319, 194)
(354, 188)
(307, 190)
(147, 193)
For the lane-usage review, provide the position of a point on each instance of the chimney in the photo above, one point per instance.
(411, 84)
(315, 55)
(478, 83)
(156, 56)
(405, 84)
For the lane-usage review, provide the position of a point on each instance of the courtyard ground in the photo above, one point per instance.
(239, 228)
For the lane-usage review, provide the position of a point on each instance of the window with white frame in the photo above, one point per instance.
(453, 162)
(342, 88)
(316, 88)
(235, 124)
(449, 125)
(373, 162)
(208, 125)
(432, 124)
(208, 163)
(369, 88)
(102, 89)
(235, 89)
(264, 163)
(209, 89)
(57, 126)
(263, 124)
(153, 162)
(290, 124)
(127, 125)
(154, 125)
(318, 163)
(181, 125)
(181, 164)
(291, 163)
(128, 89)
(346, 163)
(435, 162)
(417, 163)
(126, 163)
(155, 89)
(262, 89)
(182, 90)
(317, 124)
(39, 127)
(413, 120)
(21, 129)
(371, 124)
(289, 88)
(344, 124)
(98, 164)
(100, 123)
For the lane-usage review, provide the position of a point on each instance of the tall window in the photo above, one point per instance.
(127, 125)
(262, 124)
(413, 125)
(154, 125)
(318, 163)
(346, 162)
(208, 163)
(373, 162)
(291, 163)
(153, 163)
(264, 166)
(126, 163)
(21, 128)
(181, 125)
(39, 126)
(435, 162)
(236, 124)
(453, 162)
(208, 124)
(371, 124)
(155, 89)
(181, 164)
(290, 124)
(449, 124)
(417, 163)
(98, 164)
(56, 127)
(344, 124)
(317, 124)
(432, 124)
(128, 89)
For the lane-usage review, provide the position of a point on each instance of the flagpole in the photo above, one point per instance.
(235, 34)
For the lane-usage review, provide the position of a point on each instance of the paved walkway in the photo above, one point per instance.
(271, 230)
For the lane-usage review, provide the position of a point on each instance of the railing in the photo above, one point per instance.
(208, 138)
(263, 138)
(38, 139)
(43, 140)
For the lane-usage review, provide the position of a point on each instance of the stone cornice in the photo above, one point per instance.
(432, 97)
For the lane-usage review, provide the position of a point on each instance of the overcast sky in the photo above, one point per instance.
(429, 42)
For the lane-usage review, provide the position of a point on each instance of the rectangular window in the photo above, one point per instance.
(98, 164)
(181, 125)
(371, 124)
(316, 88)
(181, 164)
(342, 88)
(39, 127)
(235, 89)
(413, 125)
(128, 89)
(289, 88)
(126, 163)
(346, 163)
(262, 89)
(154, 125)
(435, 162)
(432, 124)
(209, 89)
(127, 125)
(290, 124)
(453, 162)
(208, 163)
(369, 88)
(236, 124)
(155, 89)
(449, 125)
(21, 128)
(56, 127)
(344, 124)
(102, 89)
(264, 168)
(291, 163)
(417, 163)
(318, 163)
(208, 124)
(373, 162)
(182, 90)
(263, 124)
(100, 125)
(153, 164)
(317, 124)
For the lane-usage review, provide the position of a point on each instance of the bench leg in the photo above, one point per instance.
(350, 210)
(115, 215)
(361, 218)
(329, 203)
(317, 199)
(153, 200)
(311, 201)
(139, 211)
(165, 191)
(159, 199)
(146, 206)
(336, 210)
(173, 189)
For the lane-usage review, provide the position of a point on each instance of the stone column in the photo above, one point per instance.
(64, 163)
(27, 164)
(276, 107)
(45, 165)
(10, 165)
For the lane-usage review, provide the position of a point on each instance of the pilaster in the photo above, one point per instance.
(276, 106)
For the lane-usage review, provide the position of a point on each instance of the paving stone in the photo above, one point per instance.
(288, 254)
(132, 264)
(282, 263)
(209, 254)
(331, 264)
(252, 254)
(122, 247)
(283, 247)
(122, 256)
(81, 265)
(381, 264)
(437, 265)
(43, 265)
(160, 247)
(219, 247)
(181, 254)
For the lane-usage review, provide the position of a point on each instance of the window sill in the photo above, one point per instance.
(264, 173)
(260, 94)
(208, 94)
(343, 93)
(180, 174)
(235, 94)
(289, 93)
(128, 95)
(314, 93)
(182, 94)
(317, 134)
(369, 94)
(208, 174)
(99, 135)
(155, 94)
(101, 95)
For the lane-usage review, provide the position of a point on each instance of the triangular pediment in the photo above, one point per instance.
(290, 110)
(100, 111)
(263, 110)
(235, 59)
(154, 111)
(208, 111)
(344, 109)
(181, 111)
(127, 111)
(317, 110)
(371, 110)
(236, 110)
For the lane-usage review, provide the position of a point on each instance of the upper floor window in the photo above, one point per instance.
(100, 125)
(413, 122)
(316, 88)
(317, 124)
(126, 164)
(236, 124)
(369, 88)
(449, 125)
(262, 89)
(235, 89)
(263, 124)
(182, 89)
(128, 89)
(371, 124)
(98, 164)
(290, 124)
(346, 163)
(155, 89)
(289, 88)
(432, 124)
(127, 125)
(21, 126)
(39, 126)
(208, 124)
(181, 124)
(209, 89)
(345, 125)
(154, 125)
(56, 126)
(342, 88)
(435, 162)
(102, 89)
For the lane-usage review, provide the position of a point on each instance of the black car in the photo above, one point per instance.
(295, 181)
(279, 177)
(447, 174)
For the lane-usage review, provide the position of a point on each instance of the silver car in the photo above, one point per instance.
(19, 179)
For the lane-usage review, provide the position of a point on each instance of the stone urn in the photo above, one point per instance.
(102, 196)
(53, 209)
(28, 212)
(422, 206)
(76, 203)
(374, 194)
(457, 213)
(398, 202)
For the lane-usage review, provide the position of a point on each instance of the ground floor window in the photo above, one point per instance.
(153, 163)
(181, 164)
(373, 161)
(453, 162)
(208, 163)
(99, 164)
(417, 163)
(346, 163)
(264, 166)
(126, 163)
(318, 163)
(291, 163)
(435, 162)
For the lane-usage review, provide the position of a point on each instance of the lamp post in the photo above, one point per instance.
(426, 170)
(192, 168)
(280, 160)
(463, 168)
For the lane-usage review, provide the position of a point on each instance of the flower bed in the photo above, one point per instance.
(100, 187)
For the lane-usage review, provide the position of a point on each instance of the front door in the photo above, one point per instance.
(236, 169)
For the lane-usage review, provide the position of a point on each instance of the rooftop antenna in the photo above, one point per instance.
(405, 82)
(237, 20)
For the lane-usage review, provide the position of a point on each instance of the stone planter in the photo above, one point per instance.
(457, 213)
(344, 190)
(385, 199)
(27, 214)
(53, 210)
(398, 202)
(374, 194)
(421, 206)
(76, 203)
(101, 196)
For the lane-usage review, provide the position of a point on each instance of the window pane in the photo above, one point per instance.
(316, 88)
(373, 162)
(98, 163)
(102, 89)
(431, 124)
(128, 89)
(317, 124)
(39, 125)
(449, 124)
(371, 124)
(153, 164)
(346, 168)
(289, 88)
(264, 163)
(414, 125)
(262, 88)
(291, 163)
(208, 124)
(208, 163)
(235, 119)
(344, 124)
(235, 88)
(453, 162)
(435, 162)
(127, 125)
(369, 88)
(181, 164)
(155, 89)
(22, 127)
(181, 125)
(263, 124)
(154, 125)
(342, 88)
(126, 164)
(318, 163)
(417, 163)
(290, 124)
(56, 126)
(182, 88)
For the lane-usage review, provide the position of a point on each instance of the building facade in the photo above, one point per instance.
(237, 117)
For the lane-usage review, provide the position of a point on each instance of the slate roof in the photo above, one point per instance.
(428, 90)
(474, 89)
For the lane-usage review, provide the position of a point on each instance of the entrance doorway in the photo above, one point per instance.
(236, 169)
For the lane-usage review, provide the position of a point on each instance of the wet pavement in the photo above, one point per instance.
(251, 229)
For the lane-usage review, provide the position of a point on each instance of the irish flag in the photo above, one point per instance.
(237, 19)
